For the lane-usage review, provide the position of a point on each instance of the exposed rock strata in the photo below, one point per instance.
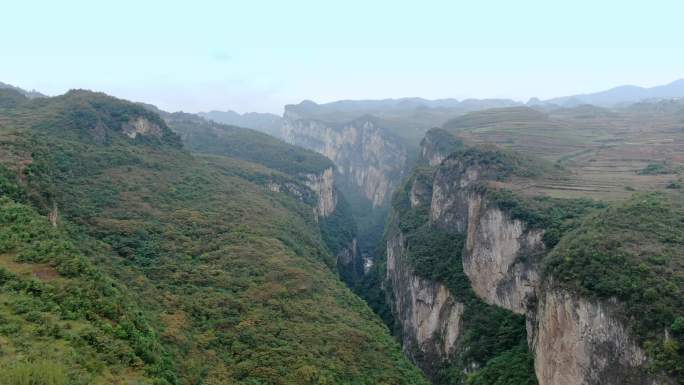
(575, 341)
(366, 155)
(323, 185)
(141, 126)
(430, 317)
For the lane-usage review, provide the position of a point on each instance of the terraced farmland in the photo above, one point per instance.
(600, 153)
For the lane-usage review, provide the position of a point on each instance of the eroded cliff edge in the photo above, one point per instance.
(367, 156)
(509, 256)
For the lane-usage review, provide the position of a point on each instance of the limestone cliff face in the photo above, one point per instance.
(574, 341)
(350, 263)
(366, 156)
(311, 188)
(496, 256)
(452, 195)
(498, 248)
(433, 158)
(323, 185)
(429, 316)
(141, 126)
(577, 341)
(437, 145)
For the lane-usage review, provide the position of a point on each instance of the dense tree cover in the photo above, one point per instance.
(62, 320)
(494, 340)
(555, 215)
(10, 98)
(369, 220)
(442, 141)
(633, 251)
(209, 137)
(499, 164)
(339, 231)
(230, 276)
(657, 169)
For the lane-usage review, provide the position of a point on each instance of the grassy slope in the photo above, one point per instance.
(230, 275)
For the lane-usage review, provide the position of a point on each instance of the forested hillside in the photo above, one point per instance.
(129, 260)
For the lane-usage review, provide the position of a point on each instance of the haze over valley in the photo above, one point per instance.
(347, 193)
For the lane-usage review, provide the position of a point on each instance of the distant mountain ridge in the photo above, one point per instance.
(372, 107)
(264, 122)
(627, 94)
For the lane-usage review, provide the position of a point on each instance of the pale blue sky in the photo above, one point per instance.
(253, 55)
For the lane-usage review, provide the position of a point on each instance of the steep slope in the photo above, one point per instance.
(614, 284)
(306, 167)
(447, 328)
(369, 160)
(371, 141)
(367, 156)
(407, 118)
(64, 320)
(230, 272)
(264, 122)
(29, 94)
(598, 288)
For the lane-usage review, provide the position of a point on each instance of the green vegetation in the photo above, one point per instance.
(10, 98)
(633, 251)
(200, 135)
(499, 164)
(493, 339)
(442, 141)
(556, 216)
(656, 169)
(183, 269)
(508, 117)
(56, 306)
(34, 373)
(339, 231)
(629, 251)
(510, 368)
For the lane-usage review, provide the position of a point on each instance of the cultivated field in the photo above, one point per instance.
(599, 153)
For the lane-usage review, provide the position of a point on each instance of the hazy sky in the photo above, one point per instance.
(252, 55)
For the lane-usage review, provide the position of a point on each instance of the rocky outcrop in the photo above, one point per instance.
(323, 185)
(575, 340)
(421, 193)
(141, 126)
(319, 191)
(351, 265)
(437, 145)
(295, 189)
(429, 316)
(497, 254)
(581, 342)
(366, 156)
(498, 249)
(309, 188)
(53, 215)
